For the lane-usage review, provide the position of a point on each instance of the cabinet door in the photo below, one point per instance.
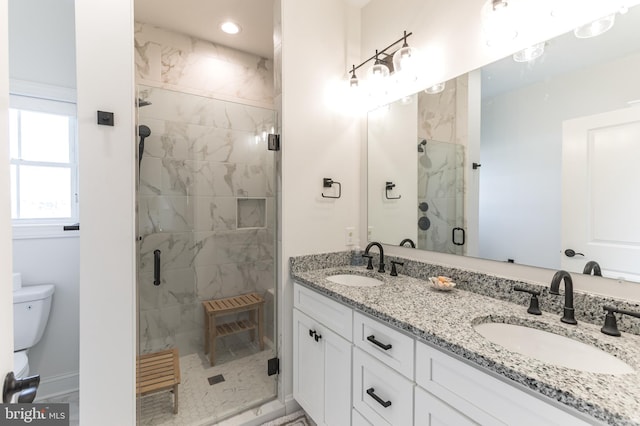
(308, 366)
(430, 411)
(337, 380)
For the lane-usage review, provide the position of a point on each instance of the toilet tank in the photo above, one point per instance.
(31, 306)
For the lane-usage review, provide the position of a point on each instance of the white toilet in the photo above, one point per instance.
(31, 305)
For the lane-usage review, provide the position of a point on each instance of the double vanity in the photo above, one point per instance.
(374, 349)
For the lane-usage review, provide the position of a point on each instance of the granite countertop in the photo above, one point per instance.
(446, 320)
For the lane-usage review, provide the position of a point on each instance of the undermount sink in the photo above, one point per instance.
(353, 280)
(552, 348)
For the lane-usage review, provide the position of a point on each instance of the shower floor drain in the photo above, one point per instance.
(216, 379)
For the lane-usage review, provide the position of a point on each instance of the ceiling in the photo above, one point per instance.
(202, 19)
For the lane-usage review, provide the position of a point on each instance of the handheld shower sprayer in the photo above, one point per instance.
(143, 132)
(421, 144)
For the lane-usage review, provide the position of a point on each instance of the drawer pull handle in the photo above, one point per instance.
(371, 393)
(373, 340)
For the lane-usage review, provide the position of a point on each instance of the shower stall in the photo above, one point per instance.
(207, 232)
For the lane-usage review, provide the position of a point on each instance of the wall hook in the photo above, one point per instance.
(388, 187)
(328, 183)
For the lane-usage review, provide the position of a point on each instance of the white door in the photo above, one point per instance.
(600, 192)
(6, 295)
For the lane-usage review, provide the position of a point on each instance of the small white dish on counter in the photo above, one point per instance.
(441, 283)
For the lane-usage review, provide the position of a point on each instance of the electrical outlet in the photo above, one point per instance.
(349, 235)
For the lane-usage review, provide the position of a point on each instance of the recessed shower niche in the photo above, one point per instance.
(252, 213)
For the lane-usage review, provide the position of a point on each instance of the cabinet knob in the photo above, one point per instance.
(317, 337)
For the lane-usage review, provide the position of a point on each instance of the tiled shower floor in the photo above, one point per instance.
(246, 384)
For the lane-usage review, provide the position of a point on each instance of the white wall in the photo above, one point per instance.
(54, 261)
(521, 181)
(42, 42)
(6, 305)
(450, 34)
(319, 43)
(105, 81)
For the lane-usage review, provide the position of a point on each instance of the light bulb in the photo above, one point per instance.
(499, 21)
(436, 88)
(530, 53)
(596, 27)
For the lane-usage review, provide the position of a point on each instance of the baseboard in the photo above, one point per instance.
(58, 385)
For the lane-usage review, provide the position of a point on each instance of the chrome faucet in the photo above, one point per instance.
(366, 252)
(568, 316)
(592, 266)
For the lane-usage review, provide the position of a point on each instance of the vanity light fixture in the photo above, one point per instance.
(498, 21)
(595, 28)
(405, 58)
(353, 81)
(230, 27)
(530, 53)
(435, 89)
(380, 69)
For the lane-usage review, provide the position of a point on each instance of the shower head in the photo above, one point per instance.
(143, 131)
(142, 103)
(421, 144)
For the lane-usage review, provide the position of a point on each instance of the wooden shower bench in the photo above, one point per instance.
(159, 371)
(251, 302)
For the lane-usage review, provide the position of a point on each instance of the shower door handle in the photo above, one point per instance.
(156, 267)
(453, 236)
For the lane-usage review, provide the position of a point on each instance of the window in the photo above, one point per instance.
(43, 161)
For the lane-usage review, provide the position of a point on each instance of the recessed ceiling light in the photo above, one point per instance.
(230, 27)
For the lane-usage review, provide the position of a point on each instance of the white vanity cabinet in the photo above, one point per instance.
(322, 357)
(350, 369)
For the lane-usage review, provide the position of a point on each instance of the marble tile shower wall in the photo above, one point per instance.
(206, 195)
(441, 121)
(201, 162)
(180, 62)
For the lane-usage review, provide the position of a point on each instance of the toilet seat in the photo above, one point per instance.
(20, 364)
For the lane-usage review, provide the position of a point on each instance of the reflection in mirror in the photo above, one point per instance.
(558, 143)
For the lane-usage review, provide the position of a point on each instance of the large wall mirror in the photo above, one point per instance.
(549, 148)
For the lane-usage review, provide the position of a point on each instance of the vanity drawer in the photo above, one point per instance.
(381, 395)
(384, 343)
(482, 397)
(330, 313)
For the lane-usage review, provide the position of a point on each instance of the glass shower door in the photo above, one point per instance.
(207, 226)
(441, 220)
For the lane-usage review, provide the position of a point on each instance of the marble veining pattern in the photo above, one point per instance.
(442, 123)
(200, 163)
(173, 60)
(446, 319)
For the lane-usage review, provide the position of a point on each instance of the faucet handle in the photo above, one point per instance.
(610, 326)
(394, 272)
(370, 260)
(534, 307)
